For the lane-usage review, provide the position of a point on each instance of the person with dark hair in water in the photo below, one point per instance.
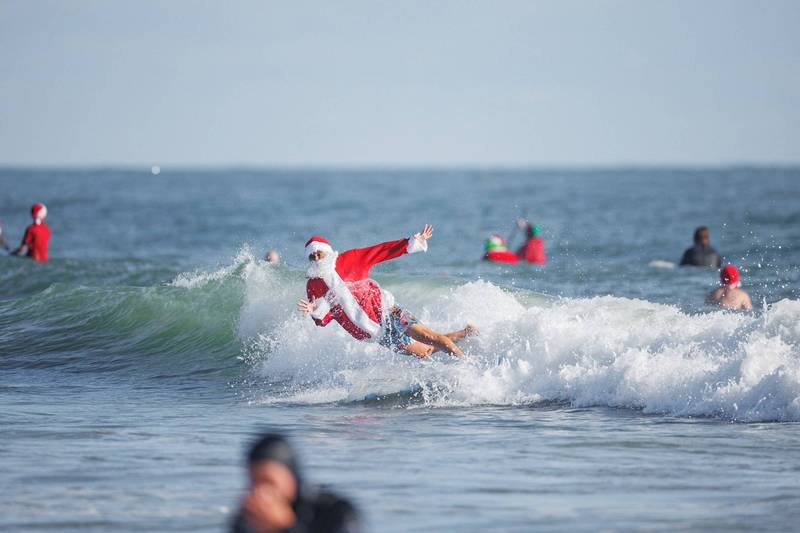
(278, 499)
(701, 254)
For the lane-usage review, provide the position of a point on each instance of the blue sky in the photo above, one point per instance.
(399, 83)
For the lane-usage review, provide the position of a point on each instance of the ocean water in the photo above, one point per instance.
(601, 393)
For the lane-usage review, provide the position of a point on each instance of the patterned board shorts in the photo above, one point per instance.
(395, 336)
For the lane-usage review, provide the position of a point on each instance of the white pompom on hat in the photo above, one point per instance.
(39, 211)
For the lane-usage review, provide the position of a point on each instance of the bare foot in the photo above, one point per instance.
(470, 330)
(462, 333)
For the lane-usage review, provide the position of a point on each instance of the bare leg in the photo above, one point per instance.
(440, 342)
(460, 334)
(418, 349)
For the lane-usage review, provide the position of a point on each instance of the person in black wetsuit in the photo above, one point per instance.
(278, 500)
(701, 254)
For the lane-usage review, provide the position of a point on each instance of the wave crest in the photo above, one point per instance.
(603, 351)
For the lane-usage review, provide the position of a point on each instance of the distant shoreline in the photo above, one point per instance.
(410, 168)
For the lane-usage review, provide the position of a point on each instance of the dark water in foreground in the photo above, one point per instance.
(601, 395)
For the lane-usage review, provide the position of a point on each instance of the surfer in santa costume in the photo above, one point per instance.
(339, 289)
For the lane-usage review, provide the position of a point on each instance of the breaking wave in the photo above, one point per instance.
(240, 320)
(603, 351)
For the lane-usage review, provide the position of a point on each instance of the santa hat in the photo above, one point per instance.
(39, 211)
(495, 243)
(729, 275)
(318, 244)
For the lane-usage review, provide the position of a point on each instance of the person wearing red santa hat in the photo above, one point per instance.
(339, 289)
(729, 294)
(37, 236)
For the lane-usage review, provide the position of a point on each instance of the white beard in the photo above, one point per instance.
(324, 268)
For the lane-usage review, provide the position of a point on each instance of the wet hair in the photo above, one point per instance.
(274, 447)
(699, 232)
(533, 231)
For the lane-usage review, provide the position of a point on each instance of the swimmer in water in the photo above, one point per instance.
(272, 256)
(278, 499)
(533, 249)
(729, 294)
(339, 289)
(497, 252)
(701, 254)
(37, 236)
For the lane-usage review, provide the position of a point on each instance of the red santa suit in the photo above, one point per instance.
(533, 251)
(37, 235)
(345, 293)
(501, 256)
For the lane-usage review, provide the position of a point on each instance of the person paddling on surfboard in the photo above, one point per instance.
(339, 289)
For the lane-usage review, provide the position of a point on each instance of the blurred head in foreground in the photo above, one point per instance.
(278, 500)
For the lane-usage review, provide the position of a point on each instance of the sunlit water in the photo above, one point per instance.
(601, 394)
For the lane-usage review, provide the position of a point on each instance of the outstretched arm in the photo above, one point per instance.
(372, 255)
(27, 240)
(22, 250)
(419, 241)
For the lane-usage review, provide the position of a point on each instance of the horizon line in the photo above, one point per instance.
(408, 167)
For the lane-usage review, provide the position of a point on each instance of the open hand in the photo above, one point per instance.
(425, 234)
(306, 307)
(265, 506)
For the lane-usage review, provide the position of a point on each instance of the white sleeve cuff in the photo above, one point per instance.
(321, 309)
(416, 245)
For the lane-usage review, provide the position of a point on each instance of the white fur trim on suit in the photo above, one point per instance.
(321, 309)
(339, 294)
(350, 306)
(387, 302)
(416, 245)
(387, 299)
(317, 246)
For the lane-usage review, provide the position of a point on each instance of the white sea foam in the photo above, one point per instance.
(603, 351)
(199, 278)
(660, 263)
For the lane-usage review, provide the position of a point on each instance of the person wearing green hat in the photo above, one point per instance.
(497, 252)
(533, 249)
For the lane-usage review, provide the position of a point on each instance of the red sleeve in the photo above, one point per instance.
(27, 239)
(355, 264)
(316, 289)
